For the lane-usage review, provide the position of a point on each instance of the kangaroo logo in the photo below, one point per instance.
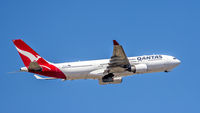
(29, 55)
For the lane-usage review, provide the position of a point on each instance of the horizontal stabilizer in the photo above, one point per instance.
(34, 66)
(49, 78)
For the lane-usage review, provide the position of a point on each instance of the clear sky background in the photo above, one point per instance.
(73, 30)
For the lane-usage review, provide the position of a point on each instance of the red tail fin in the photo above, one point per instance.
(35, 63)
(27, 54)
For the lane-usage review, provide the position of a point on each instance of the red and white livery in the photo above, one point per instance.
(107, 71)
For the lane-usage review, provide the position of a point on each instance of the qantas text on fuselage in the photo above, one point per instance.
(106, 71)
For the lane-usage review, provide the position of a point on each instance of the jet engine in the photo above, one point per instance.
(139, 68)
(110, 79)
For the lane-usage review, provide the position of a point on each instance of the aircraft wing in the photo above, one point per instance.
(119, 61)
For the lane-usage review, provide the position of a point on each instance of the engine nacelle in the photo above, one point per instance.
(114, 80)
(139, 68)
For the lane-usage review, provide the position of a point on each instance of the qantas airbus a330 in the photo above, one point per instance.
(107, 71)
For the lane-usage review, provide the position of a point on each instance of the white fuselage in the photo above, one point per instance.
(94, 69)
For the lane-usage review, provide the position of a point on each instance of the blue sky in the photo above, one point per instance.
(62, 31)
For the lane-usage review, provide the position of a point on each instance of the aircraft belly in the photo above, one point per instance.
(79, 73)
(76, 75)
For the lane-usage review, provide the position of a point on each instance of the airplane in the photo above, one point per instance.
(106, 71)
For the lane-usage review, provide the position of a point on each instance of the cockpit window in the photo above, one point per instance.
(174, 58)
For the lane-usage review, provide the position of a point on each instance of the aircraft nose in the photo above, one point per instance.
(177, 62)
